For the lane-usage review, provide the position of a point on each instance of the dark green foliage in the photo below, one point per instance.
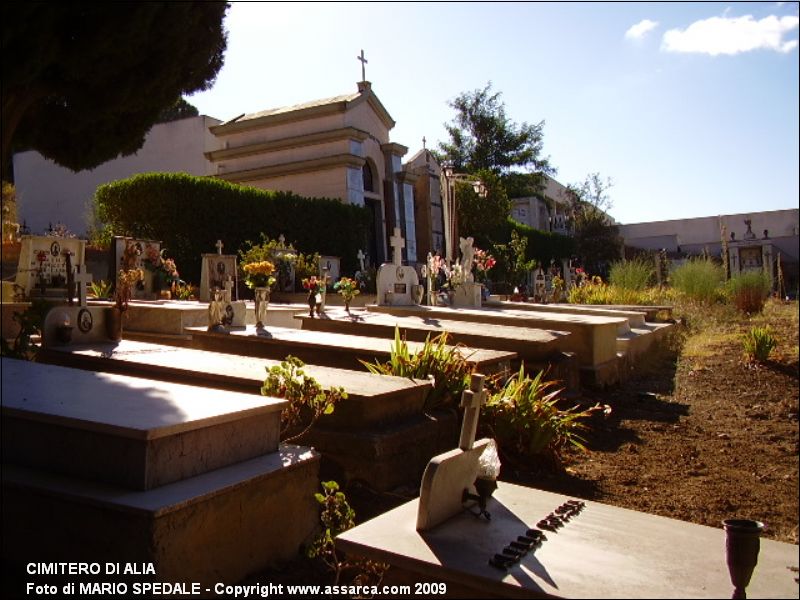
(179, 110)
(189, 214)
(83, 82)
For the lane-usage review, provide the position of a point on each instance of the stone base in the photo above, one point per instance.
(217, 527)
(467, 295)
(384, 458)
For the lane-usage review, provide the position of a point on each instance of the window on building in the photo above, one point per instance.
(366, 175)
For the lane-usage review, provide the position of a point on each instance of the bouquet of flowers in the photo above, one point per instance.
(259, 274)
(483, 262)
(164, 269)
(347, 288)
(312, 284)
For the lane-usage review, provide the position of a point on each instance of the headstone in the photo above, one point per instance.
(234, 312)
(144, 248)
(448, 476)
(539, 284)
(329, 265)
(397, 284)
(42, 266)
(216, 269)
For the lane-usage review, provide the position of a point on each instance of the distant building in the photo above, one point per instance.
(546, 212)
(337, 148)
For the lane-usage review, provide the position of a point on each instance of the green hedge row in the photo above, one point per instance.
(544, 246)
(189, 214)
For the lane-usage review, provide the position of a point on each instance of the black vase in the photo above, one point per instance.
(742, 545)
(312, 303)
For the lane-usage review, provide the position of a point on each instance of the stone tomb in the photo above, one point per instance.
(144, 249)
(216, 270)
(602, 552)
(378, 434)
(104, 467)
(538, 348)
(331, 349)
(397, 284)
(593, 338)
(43, 264)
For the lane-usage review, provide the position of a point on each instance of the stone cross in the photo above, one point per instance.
(82, 280)
(471, 401)
(361, 256)
(219, 246)
(398, 243)
(364, 61)
(282, 240)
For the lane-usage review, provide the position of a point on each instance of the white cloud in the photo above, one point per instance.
(642, 28)
(724, 35)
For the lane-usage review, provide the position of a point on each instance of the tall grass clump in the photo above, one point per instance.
(699, 279)
(636, 274)
(749, 291)
(758, 344)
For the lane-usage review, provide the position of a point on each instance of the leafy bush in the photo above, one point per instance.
(436, 360)
(189, 214)
(749, 290)
(699, 279)
(304, 393)
(758, 343)
(636, 274)
(527, 422)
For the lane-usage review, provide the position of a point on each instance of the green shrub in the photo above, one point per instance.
(636, 274)
(699, 279)
(189, 214)
(749, 291)
(758, 343)
(527, 422)
(436, 360)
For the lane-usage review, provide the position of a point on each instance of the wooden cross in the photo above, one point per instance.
(364, 61)
(471, 401)
(361, 256)
(398, 243)
(82, 280)
(219, 246)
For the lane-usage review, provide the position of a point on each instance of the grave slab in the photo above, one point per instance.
(603, 552)
(634, 318)
(152, 433)
(220, 526)
(593, 338)
(537, 348)
(171, 316)
(330, 349)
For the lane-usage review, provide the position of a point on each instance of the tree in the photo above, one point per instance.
(597, 239)
(505, 156)
(82, 83)
(482, 137)
(179, 110)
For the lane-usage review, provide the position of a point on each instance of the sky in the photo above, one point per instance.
(690, 109)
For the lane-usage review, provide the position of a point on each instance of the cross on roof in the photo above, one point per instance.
(219, 246)
(364, 61)
(398, 243)
(471, 401)
(81, 280)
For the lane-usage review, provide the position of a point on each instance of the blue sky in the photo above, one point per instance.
(690, 108)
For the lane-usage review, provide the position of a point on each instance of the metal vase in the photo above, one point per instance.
(742, 544)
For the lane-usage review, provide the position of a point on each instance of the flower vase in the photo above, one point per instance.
(114, 323)
(347, 306)
(312, 303)
(262, 302)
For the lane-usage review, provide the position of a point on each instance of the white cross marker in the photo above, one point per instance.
(226, 296)
(361, 256)
(219, 246)
(398, 243)
(81, 280)
(471, 401)
(282, 240)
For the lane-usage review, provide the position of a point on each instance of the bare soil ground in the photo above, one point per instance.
(696, 433)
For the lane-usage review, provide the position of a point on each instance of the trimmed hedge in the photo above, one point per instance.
(189, 214)
(544, 246)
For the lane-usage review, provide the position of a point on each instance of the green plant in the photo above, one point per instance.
(337, 516)
(347, 288)
(758, 343)
(444, 364)
(308, 401)
(749, 290)
(699, 279)
(185, 291)
(30, 325)
(527, 422)
(636, 274)
(101, 288)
